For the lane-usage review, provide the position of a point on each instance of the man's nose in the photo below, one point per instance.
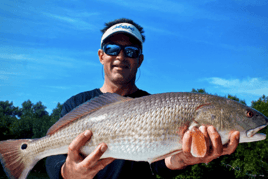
(121, 55)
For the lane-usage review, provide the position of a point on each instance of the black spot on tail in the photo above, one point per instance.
(24, 146)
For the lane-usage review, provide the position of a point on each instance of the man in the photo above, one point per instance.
(121, 56)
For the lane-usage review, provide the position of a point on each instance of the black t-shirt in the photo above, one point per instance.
(118, 169)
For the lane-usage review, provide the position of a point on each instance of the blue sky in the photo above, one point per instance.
(48, 49)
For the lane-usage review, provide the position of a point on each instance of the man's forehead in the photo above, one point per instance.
(121, 37)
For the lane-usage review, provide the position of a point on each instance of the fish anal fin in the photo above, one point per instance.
(164, 156)
(198, 146)
(86, 108)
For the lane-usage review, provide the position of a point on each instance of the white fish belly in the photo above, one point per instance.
(135, 149)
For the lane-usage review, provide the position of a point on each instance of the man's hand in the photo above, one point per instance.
(77, 166)
(183, 159)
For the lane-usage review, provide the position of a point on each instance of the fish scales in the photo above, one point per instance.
(125, 131)
(142, 129)
(150, 120)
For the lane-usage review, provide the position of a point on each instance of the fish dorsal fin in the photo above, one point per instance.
(89, 106)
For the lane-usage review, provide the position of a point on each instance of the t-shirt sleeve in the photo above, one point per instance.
(53, 166)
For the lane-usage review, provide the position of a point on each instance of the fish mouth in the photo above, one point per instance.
(250, 133)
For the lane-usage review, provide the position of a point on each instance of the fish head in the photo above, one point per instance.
(227, 115)
(256, 122)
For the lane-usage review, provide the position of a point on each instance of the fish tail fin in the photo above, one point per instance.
(13, 155)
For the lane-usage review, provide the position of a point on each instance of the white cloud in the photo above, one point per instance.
(3, 77)
(19, 64)
(7, 73)
(254, 86)
(58, 87)
(251, 2)
(76, 23)
(46, 56)
(62, 18)
(169, 6)
(187, 9)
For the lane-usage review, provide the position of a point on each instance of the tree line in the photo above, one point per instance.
(248, 161)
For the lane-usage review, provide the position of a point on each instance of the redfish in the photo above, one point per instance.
(149, 128)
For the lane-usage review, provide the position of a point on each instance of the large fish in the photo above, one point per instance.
(149, 128)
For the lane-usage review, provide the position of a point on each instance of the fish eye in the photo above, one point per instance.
(249, 113)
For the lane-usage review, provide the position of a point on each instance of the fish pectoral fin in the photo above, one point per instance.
(198, 146)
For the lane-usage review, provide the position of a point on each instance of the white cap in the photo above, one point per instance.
(122, 27)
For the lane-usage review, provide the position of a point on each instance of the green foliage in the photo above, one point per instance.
(261, 105)
(55, 115)
(203, 91)
(34, 120)
(236, 99)
(199, 91)
(8, 119)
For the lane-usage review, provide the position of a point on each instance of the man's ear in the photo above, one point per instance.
(100, 54)
(140, 60)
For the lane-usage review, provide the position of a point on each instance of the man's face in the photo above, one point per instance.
(120, 69)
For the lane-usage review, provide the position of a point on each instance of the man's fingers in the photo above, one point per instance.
(203, 129)
(234, 141)
(186, 143)
(216, 141)
(91, 159)
(78, 142)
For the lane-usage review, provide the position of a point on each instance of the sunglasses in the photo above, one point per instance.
(129, 51)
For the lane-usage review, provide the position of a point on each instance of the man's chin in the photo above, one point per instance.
(121, 80)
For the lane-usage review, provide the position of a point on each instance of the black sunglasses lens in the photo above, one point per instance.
(111, 49)
(132, 52)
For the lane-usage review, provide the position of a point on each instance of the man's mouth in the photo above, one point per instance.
(121, 66)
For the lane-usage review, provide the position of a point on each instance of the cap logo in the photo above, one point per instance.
(123, 27)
